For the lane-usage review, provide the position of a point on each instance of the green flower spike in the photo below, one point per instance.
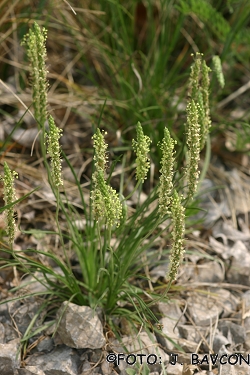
(54, 151)
(9, 197)
(141, 148)
(106, 203)
(36, 51)
(218, 71)
(193, 143)
(194, 78)
(178, 219)
(166, 178)
(100, 147)
(205, 122)
(199, 83)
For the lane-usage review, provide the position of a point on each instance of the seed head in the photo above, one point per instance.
(193, 143)
(218, 71)
(9, 197)
(166, 178)
(106, 202)
(36, 51)
(178, 231)
(141, 148)
(54, 151)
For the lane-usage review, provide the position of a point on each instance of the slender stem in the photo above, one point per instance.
(132, 192)
(57, 196)
(101, 247)
(206, 161)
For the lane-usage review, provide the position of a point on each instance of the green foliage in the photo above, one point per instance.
(136, 54)
(206, 12)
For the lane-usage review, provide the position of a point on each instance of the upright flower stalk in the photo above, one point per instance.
(166, 178)
(106, 203)
(193, 143)
(199, 83)
(141, 148)
(178, 231)
(35, 41)
(9, 197)
(36, 51)
(206, 120)
(194, 78)
(198, 120)
(218, 71)
(54, 151)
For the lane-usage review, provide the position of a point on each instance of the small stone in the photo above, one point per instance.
(232, 330)
(219, 340)
(10, 332)
(227, 369)
(187, 346)
(2, 334)
(46, 345)
(203, 273)
(239, 272)
(171, 310)
(192, 333)
(25, 313)
(203, 310)
(61, 361)
(174, 369)
(80, 327)
(9, 358)
(227, 301)
(30, 370)
(171, 331)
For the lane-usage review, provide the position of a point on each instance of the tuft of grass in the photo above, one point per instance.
(114, 246)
